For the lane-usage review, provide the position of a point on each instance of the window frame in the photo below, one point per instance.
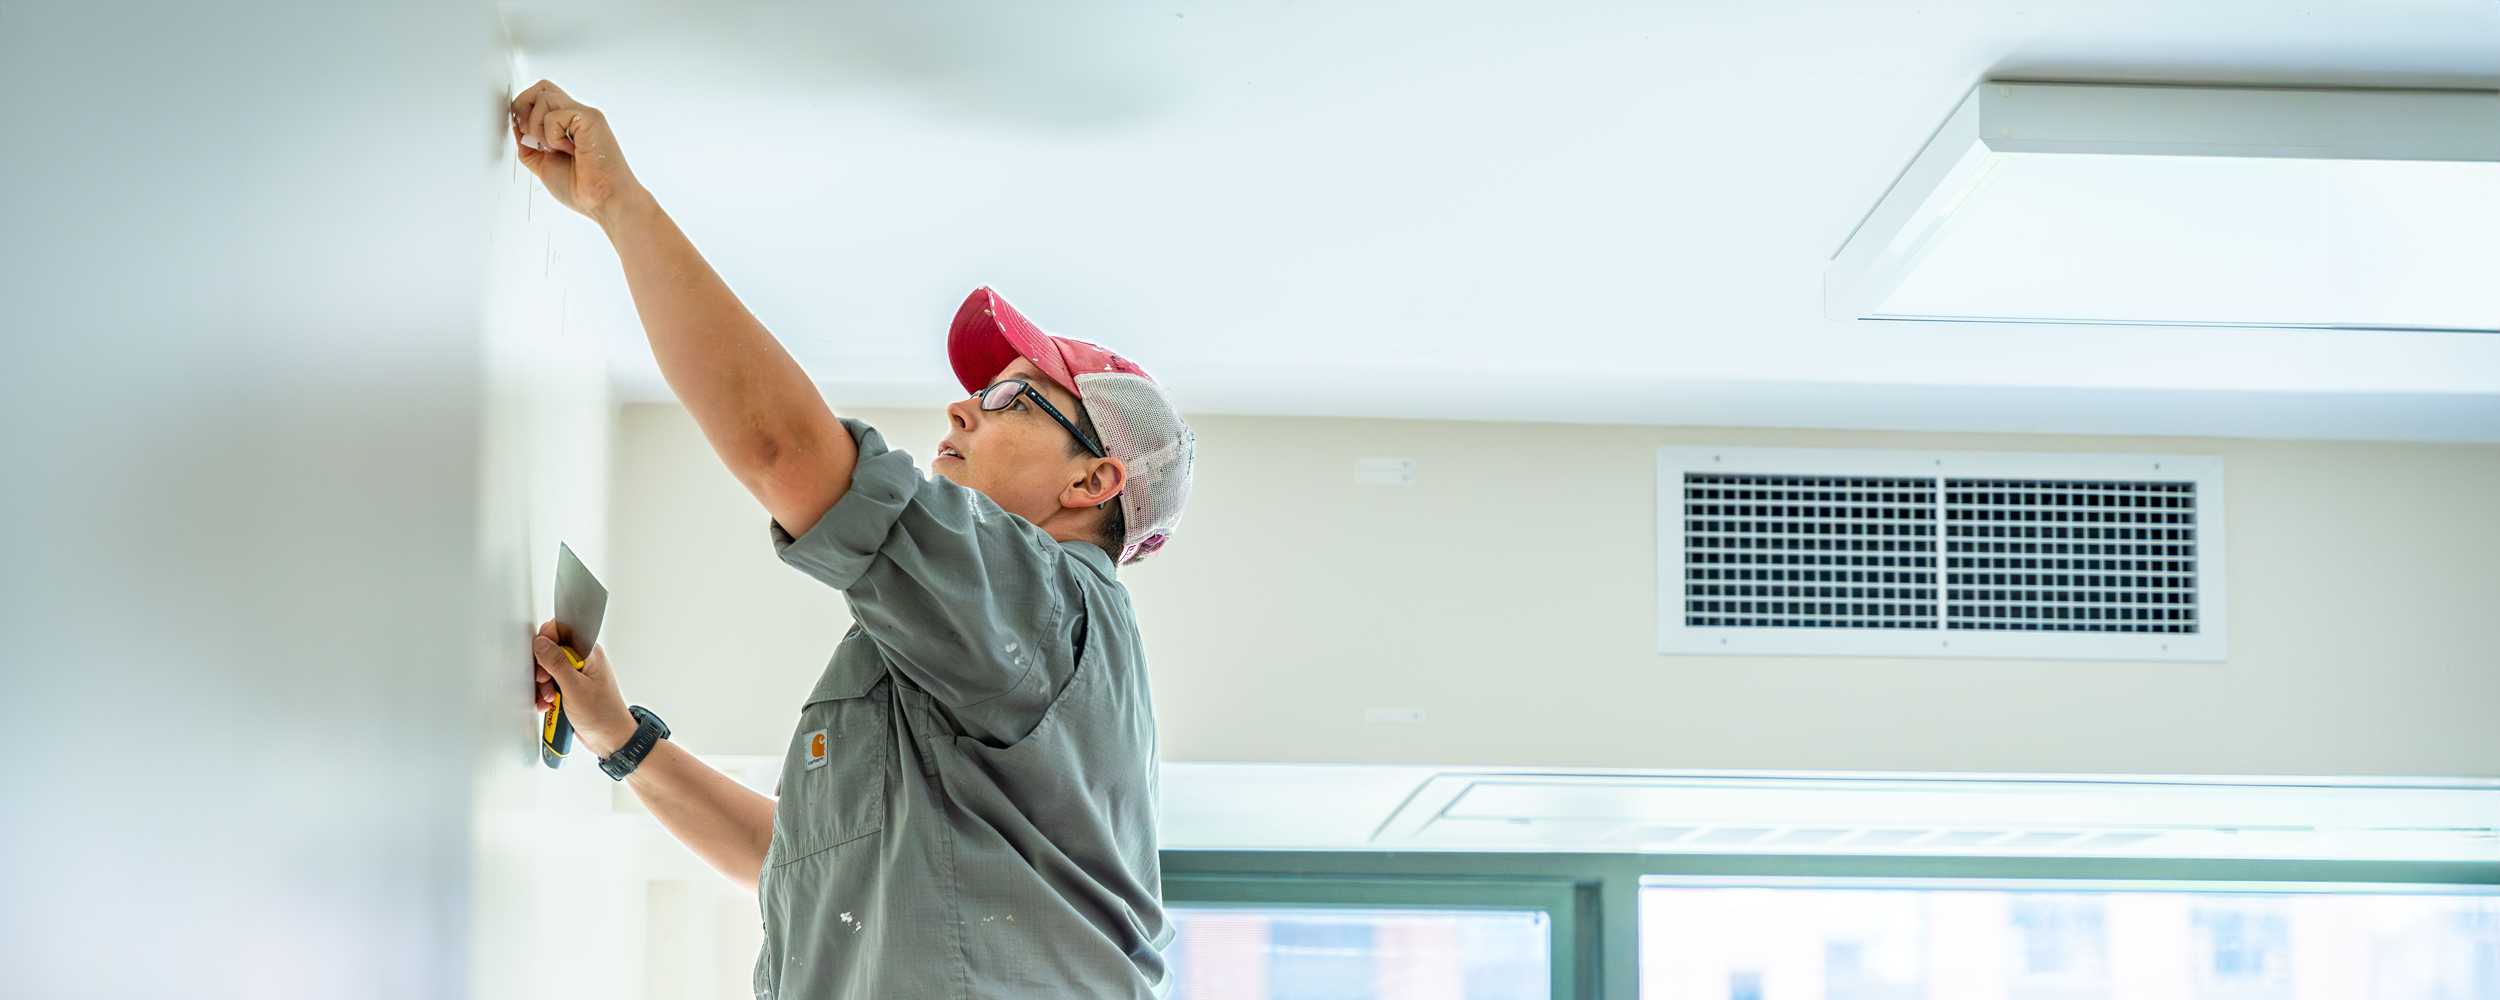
(1604, 889)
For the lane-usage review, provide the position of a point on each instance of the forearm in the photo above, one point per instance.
(755, 404)
(725, 823)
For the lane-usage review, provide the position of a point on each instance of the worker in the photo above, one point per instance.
(968, 804)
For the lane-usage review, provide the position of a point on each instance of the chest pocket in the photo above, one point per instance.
(833, 780)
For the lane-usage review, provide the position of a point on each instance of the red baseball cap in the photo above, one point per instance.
(988, 335)
(1137, 421)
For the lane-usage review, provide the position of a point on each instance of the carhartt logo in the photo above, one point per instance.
(816, 749)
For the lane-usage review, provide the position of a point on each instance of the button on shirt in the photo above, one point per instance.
(968, 805)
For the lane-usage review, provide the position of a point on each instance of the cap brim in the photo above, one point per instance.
(988, 335)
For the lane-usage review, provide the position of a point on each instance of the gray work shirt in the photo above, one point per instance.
(968, 805)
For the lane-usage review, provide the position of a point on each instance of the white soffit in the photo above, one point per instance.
(1340, 807)
(2191, 206)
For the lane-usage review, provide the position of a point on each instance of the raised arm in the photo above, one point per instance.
(755, 404)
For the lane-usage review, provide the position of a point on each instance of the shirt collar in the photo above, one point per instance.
(1094, 556)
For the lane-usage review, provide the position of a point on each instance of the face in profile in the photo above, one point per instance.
(1017, 455)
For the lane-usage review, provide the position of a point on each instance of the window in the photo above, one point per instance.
(1279, 937)
(1367, 924)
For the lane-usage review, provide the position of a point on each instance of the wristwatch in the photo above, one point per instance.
(646, 735)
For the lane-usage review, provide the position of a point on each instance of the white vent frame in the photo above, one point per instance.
(2211, 643)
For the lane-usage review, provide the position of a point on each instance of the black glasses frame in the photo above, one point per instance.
(1025, 388)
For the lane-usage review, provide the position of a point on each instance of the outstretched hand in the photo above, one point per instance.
(592, 699)
(568, 145)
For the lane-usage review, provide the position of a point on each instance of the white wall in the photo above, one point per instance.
(556, 898)
(239, 453)
(1511, 593)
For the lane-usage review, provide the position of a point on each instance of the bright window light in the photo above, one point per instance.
(2065, 943)
(2191, 206)
(1293, 953)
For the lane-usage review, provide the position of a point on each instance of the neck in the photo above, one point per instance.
(1073, 524)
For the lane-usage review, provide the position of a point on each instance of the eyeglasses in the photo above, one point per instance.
(1003, 395)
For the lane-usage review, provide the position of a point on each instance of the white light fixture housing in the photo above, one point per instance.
(2190, 206)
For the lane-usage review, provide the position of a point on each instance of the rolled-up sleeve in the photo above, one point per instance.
(965, 598)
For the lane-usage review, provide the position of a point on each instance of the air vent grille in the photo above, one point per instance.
(1828, 552)
(1810, 552)
(2070, 556)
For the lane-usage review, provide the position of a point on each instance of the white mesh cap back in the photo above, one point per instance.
(1140, 427)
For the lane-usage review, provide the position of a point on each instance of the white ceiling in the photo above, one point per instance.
(1517, 211)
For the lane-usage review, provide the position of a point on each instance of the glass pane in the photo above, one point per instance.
(1327, 953)
(1931, 944)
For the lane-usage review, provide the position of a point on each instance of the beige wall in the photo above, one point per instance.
(705, 624)
(1511, 593)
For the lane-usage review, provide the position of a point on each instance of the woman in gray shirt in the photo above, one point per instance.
(968, 805)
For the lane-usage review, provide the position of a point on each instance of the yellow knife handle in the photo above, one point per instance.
(556, 740)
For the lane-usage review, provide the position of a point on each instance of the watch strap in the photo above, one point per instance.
(648, 733)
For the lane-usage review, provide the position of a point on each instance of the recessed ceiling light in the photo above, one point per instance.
(2194, 206)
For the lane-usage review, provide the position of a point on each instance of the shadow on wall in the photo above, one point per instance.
(1081, 66)
(239, 423)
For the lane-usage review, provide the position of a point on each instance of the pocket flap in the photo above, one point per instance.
(848, 676)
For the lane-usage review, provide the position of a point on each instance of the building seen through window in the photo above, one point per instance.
(1711, 943)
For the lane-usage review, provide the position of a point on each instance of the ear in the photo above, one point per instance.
(1102, 479)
